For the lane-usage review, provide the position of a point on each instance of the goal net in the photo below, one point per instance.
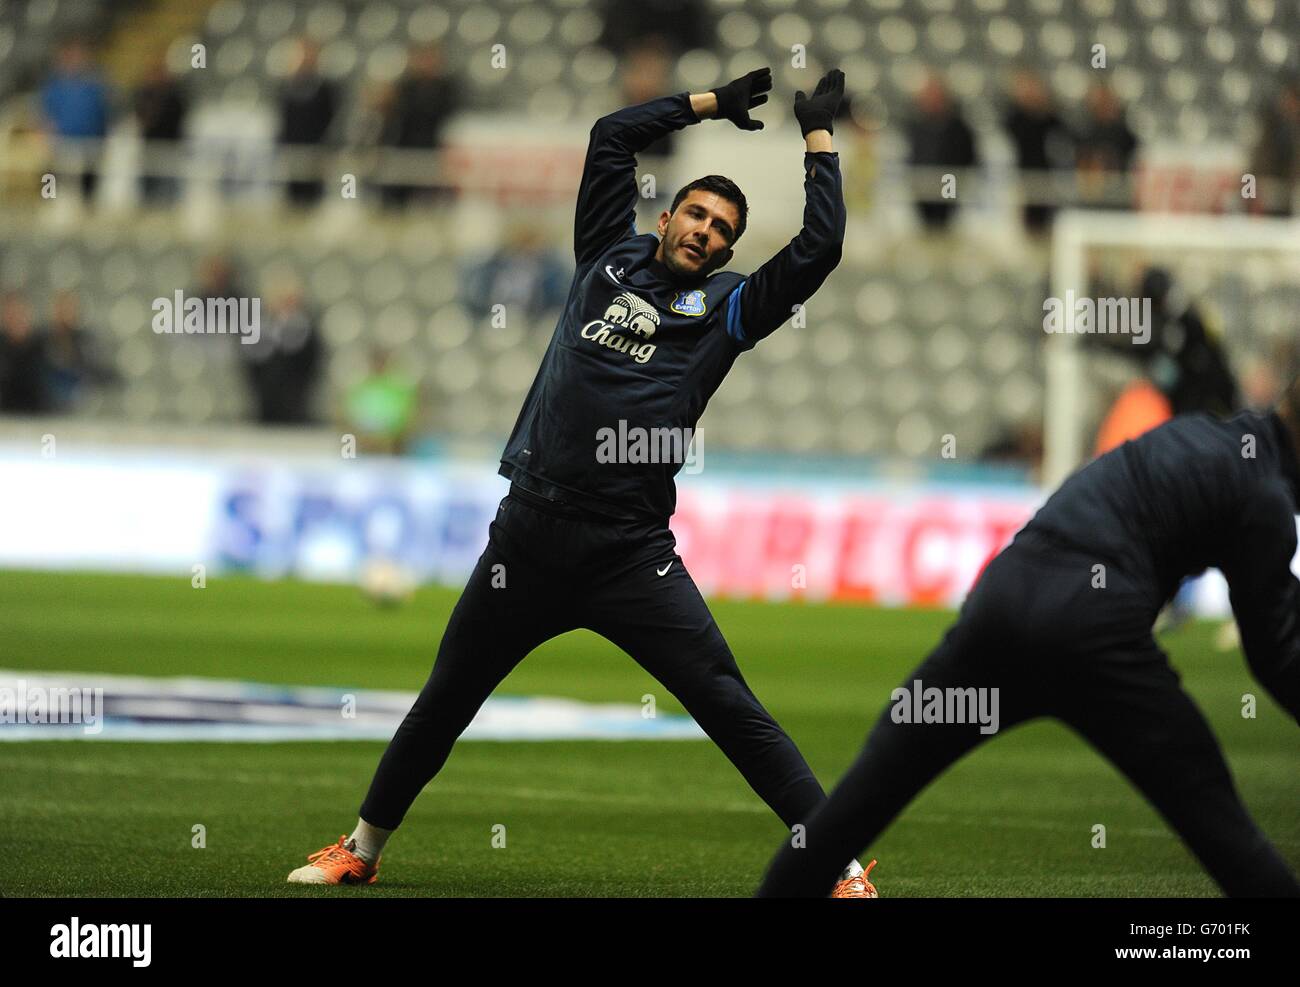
(1238, 275)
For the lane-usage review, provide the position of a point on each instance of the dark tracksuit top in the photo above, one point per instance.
(637, 348)
(1192, 494)
(632, 346)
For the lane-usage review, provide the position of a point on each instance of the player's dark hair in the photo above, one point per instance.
(723, 187)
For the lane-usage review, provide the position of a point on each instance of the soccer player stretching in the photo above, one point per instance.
(1060, 623)
(582, 540)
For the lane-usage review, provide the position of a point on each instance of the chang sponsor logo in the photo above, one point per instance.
(627, 313)
(607, 335)
(633, 312)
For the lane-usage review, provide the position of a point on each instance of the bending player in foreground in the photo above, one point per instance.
(1039, 626)
(647, 335)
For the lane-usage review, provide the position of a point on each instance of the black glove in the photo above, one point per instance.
(818, 113)
(737, 98)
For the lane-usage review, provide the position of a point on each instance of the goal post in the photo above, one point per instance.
(1167, 238)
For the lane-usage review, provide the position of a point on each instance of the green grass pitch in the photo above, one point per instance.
(582, 818)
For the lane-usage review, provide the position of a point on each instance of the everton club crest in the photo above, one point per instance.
(689, 302)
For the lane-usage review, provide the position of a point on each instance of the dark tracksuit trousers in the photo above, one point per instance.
(1035, 628)
(549, 569)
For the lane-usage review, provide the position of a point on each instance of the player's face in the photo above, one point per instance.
(696, 238)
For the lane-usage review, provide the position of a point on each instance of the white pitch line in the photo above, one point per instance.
(755, 807)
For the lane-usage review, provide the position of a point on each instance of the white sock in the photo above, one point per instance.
(852, 870)
(369, 841)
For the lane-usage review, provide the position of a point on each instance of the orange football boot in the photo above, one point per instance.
(856, 887)
(335, 864)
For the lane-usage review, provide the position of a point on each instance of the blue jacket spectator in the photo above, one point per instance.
(75, 102)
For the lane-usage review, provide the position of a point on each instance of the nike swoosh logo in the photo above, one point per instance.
(660, 572)
(612, 276)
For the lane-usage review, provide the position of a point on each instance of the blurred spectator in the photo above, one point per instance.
(219, 279)
(646, 75)
(369, 115)
(23, 359)
(1139, 408)
(858, 125)
(1042, 140)
(1016, 444)
(1267, 374)
(938, 137)
(679, 24)
(1105, 151)
(75, 105)
(525, 275)
(284, 365)
(160, 107)
(1275, 162)
(71, 356)
(381, 408)
(1185, 362)
(308, 102)
(426, 97)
